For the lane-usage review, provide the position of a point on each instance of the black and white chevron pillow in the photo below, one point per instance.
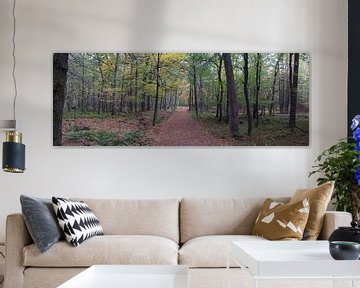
(77, 220)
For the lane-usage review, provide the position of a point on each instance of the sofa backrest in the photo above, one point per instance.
(159, 217)
(200, 217)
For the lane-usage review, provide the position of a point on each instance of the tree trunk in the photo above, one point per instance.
(257, 79)
(281, 95)
(157, 88)
(122, 92)
(82, 83)
(276, 71)
(233, 104)
(114, 84)
(287, 86)
(221, 90)
(190, 98)
(101, 95)
(175, 101)
(136, 87)
(143, 98)
(148, 103)
(130, 88)
(246, 92)
(60, 64)
(201, 95)
(294, 92)
(163, 100)
(195, 92)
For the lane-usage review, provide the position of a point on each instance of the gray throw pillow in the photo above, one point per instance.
(41, 221)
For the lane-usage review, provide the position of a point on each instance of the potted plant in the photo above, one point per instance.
(341, 163)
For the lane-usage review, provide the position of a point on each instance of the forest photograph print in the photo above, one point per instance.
(181, 99)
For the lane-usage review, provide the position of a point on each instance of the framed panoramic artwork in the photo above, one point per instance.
(181, 99)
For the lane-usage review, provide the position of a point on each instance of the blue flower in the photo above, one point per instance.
(357, 176)
(355, 126)
(356, 134)
(355, 122)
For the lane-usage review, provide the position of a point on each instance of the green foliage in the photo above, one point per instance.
(131, 138)
(339, 163)
(74, 135)
(102, 138)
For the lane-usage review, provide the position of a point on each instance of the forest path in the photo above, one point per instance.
(182, 130)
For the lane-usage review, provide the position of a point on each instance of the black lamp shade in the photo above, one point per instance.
(13, 157)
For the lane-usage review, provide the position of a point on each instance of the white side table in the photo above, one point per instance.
(131, 276)
(287, 261)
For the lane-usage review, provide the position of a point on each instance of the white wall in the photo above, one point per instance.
(44, 27)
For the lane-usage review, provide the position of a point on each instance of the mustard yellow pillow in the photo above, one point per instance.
(319, 198)
(279, 221)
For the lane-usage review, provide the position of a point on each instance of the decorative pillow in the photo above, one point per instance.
(279, 221)
(77, 220)
(41, 222)
(319, 198)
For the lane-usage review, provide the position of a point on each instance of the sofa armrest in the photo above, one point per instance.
(333, 220)
(17, 237)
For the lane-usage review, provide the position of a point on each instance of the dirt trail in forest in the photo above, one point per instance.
(182, 130)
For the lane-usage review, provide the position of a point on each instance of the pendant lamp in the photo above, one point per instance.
(13, 158)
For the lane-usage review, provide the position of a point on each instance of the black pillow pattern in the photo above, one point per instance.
(77, 220)
(41, 221)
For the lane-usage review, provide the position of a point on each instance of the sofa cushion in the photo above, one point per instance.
(158, 217)
(211, 251)
(41, 221)
(319, 198)
(77, 220)
(107, 249)
(279, 221)
(200, 217)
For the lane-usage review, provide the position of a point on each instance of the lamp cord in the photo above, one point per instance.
(14, 60)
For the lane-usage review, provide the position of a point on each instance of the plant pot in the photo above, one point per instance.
(344, 250)
(351, 233)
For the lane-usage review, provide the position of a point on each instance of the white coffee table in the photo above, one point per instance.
(300, 260)
(131, 276)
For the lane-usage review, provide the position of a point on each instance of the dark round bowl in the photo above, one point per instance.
(344, 250)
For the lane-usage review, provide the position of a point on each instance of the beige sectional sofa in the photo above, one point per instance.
(194, 232)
